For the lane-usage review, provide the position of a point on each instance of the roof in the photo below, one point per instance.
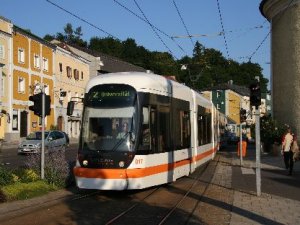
(111, 64)
(33, 36)
(241, 90)
(5, 19)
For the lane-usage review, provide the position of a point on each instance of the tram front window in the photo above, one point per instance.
(109, 129)
(109, 118)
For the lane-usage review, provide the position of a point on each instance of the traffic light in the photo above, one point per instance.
(243, 115)
(47, 105)
(255, 94)
(37, 104)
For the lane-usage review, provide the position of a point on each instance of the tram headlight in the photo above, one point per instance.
(85, 162)
(121, 164)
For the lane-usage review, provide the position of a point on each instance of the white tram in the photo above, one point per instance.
(171, 130)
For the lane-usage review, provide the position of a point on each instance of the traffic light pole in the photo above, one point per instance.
(257, 142)
(43, 134)
(241, 138)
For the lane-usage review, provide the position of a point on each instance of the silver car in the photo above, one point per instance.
(54, 141)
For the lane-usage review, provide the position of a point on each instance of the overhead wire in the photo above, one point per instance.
(141, 18)
(154, 30)
(83, 20)
(181, 18)
(223, 30)
(265, 38)
(218, 33)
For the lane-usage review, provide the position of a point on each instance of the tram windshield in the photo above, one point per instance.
(109, 121)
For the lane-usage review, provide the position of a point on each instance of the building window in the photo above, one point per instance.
(15, 120)
(81, 75)
(76, 74)
(69, 72)
(46, 87)
(60, 67)
(45, 64)
(21, 84)
(36, 61)
(2, 52)
(21, 55)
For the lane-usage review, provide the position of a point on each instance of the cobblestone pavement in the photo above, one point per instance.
(246, 207)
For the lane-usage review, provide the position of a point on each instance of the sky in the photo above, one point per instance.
(169, 24)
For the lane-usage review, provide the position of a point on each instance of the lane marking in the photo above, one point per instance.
(247, 170)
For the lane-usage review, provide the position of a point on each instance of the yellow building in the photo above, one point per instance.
(5, 65)
(32, 67)
(71, 76)
(233, 106)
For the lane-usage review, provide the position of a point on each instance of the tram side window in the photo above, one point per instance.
(204, 126)
(153, 126)
(182, 129)
(209, 132)
(145, 135)
(200, 129)
(163, 129)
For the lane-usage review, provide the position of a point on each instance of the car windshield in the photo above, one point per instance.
(36, 136)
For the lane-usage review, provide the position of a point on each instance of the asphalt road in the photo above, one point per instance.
(10, 158)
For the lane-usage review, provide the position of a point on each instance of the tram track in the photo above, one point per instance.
(171, 210)
(196, 181)
(173, 203)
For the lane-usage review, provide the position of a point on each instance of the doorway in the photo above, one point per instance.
(23, 124)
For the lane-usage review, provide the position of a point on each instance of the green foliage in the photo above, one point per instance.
(2, 196)
(270, 131)
(57, 171)
(25, 175)
(6, 176)
(207, 67)
(21, 191)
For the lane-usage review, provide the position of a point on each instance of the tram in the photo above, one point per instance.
(141, 130)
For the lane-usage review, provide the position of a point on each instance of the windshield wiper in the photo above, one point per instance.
(120, 141)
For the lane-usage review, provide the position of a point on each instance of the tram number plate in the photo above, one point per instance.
(138, 161)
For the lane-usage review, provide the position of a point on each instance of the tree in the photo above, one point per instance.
(205, 68)
(106, 45)
(69, 36)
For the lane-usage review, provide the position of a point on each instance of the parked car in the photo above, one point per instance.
(54, 141)
(233, 140)
(67, 138)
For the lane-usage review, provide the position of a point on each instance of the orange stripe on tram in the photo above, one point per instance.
(134, 173)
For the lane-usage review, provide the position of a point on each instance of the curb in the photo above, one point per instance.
(12, 209)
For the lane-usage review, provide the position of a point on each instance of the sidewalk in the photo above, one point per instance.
(279, 202)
